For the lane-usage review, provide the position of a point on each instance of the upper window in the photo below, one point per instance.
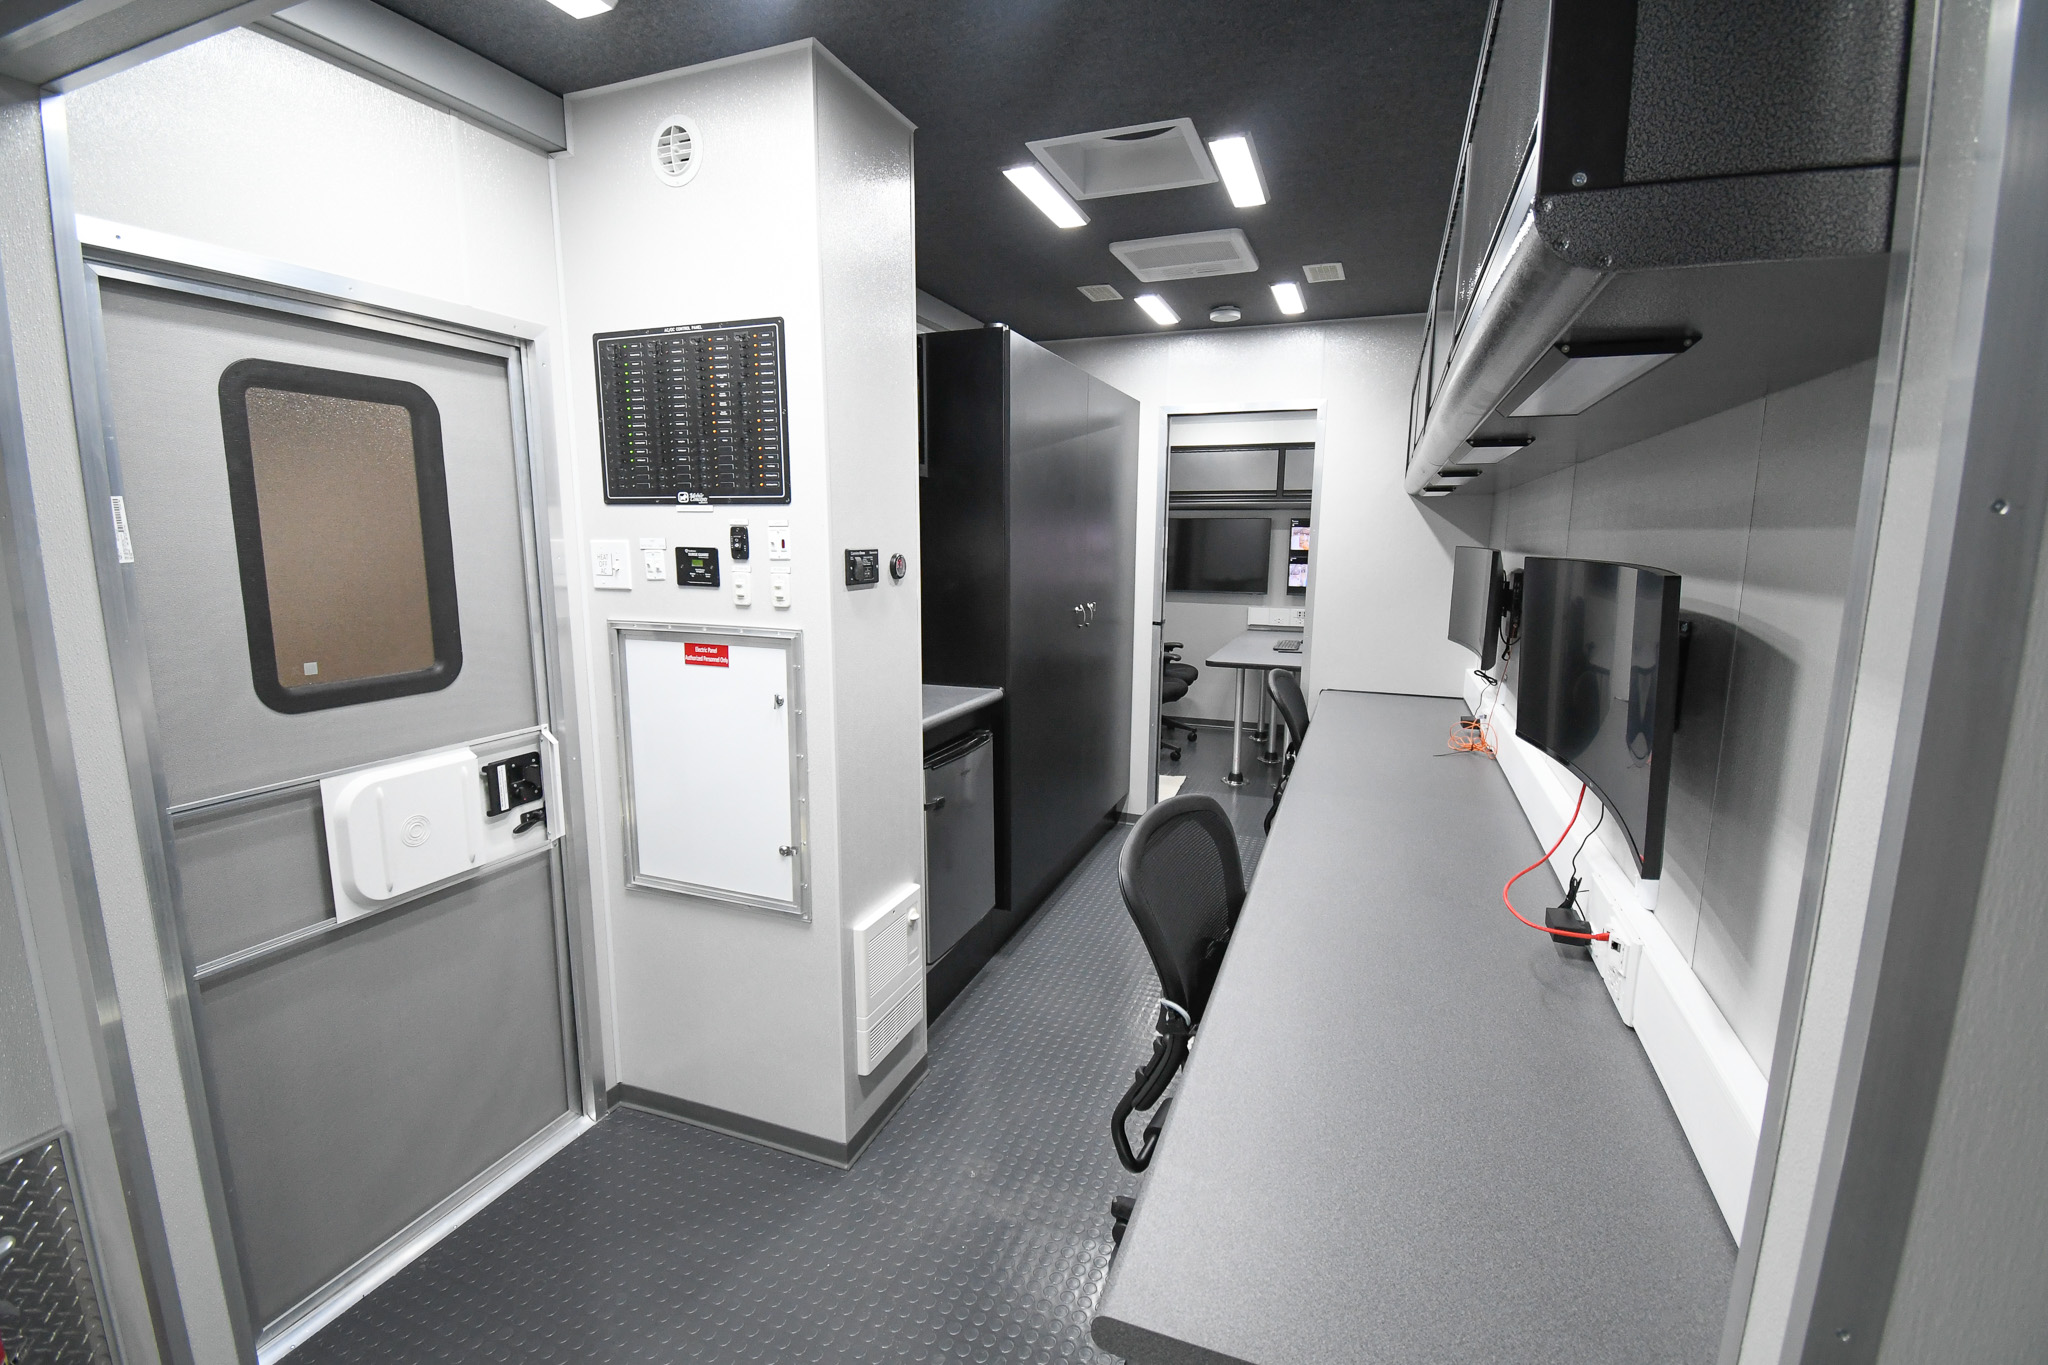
(341, 528)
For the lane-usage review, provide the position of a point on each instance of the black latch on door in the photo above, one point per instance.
(511, 782)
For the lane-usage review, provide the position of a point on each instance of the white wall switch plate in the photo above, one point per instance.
(654, 559)
(777, 541)
(611, 564)
(742, 588)
(778, 589)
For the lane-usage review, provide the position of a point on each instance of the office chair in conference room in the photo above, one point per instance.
(1175, 678)
(1285, 689)
(1183, 885)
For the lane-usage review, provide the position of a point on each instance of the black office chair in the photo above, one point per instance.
(1183, 885)
(1285, 689)
(1175, 678)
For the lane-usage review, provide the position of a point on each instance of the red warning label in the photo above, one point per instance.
(710, 656)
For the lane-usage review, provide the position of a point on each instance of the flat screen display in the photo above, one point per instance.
(1598, 686)
(1297, 574)
(1476, 593)
(1218, 554)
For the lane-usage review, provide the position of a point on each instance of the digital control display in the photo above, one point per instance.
(694, 414)
(863, 568)
(696, 566)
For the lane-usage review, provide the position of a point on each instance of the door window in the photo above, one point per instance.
(340, 506)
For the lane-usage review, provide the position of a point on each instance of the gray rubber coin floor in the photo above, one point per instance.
(975, 1227)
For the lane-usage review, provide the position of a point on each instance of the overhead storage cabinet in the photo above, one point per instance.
(1029, 511)
(1712, 176)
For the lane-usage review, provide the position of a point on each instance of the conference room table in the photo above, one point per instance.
(1254, 650)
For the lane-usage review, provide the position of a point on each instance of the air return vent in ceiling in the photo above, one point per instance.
(1133, 160)
(677, 150)
(1187, 256)
(1100, 293)
(1328, 273)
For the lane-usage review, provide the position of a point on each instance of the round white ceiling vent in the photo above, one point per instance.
(677, 150)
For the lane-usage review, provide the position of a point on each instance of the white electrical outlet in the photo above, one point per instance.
(654, 559)
(742, 588)
(1620, 956)
(1276, 618)
(778, 589)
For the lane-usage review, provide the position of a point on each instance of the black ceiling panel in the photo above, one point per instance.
(1356, 107)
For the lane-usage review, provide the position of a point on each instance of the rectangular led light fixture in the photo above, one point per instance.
(1593, 370)
(1288, 295)
(584, 9)
(1052, 201)
(1238, 164)
(1157, 309)
(1493, 449)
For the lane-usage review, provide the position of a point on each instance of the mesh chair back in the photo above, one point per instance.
(1183, 885)
(1285, 689)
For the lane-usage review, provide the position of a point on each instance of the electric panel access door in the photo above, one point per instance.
(335, 568)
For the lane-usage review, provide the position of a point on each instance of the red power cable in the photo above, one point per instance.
(1600, 937)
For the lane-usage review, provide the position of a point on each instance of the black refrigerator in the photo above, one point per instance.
(1029, 503)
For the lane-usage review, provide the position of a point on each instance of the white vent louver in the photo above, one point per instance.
(888, 978)
(1329, 273)
(1136, 159)
(1100, 293)
(677, 151)
(1187, 256)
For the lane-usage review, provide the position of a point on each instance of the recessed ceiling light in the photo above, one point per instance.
(1052, 201)
(1100, 293)
(1288, 295)
(1157, 309)
(1238, 164)
(1327, 273)
(584, 9)
(1225, 312)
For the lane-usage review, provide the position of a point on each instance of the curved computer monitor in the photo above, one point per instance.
(1478, 601)
(1598, 685)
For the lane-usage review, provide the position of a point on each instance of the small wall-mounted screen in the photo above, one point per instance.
(1297, 556)
(1476, 599)
(1218, 554)
(1297, 541)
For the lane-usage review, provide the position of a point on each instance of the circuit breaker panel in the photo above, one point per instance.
(694, 414)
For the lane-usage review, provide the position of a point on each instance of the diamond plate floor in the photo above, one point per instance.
(975, 1227)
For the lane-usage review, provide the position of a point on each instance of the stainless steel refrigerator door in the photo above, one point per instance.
(960, 829)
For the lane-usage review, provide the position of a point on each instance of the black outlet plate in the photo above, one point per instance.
(511, 782)
(863, 568)
(739, 547)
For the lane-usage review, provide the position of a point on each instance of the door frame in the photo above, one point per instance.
(91, 250)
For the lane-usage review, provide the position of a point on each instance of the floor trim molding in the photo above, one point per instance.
(840, 1154)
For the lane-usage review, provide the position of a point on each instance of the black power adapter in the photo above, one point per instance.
(1564, 920)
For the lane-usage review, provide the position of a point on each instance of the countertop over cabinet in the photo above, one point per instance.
(1413, 1129)
(943, 702)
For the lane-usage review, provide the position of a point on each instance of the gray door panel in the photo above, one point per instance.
(358, 1078)
(379, 1070)
(251, 873)
(166, 354)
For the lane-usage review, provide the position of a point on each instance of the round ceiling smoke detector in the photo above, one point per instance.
(1225, 312)
(677, 150)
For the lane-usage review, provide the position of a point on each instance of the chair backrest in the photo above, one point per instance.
(1183, 884)
(1285, 689)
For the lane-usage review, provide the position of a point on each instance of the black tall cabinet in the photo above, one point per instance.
(1030, 474)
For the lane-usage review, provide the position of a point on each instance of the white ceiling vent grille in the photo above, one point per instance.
(1187, 256)
(1132, 160)
(1323, 274)
(1100, 293)
(677, 150)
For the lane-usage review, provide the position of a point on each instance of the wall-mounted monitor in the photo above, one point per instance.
(1479, 598)
(1218, 554)
(1297, 556)
(1599, 682)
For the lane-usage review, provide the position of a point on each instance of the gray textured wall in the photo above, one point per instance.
(1755, 506)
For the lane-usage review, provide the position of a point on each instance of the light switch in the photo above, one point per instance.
(611, 564)
(742, 588)
(778, 589)
(654, 559)
(778, 540)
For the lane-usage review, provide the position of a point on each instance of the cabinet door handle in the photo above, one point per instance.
(1091, 613)
(1080, 614)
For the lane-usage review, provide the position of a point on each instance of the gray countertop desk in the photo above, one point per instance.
(1410, 1130)
(1252, 650)
(943, 701)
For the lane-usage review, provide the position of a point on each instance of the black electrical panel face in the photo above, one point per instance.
(511, 782)
(696, 566)
(863, 568)
(694, 414)
(739, 545)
